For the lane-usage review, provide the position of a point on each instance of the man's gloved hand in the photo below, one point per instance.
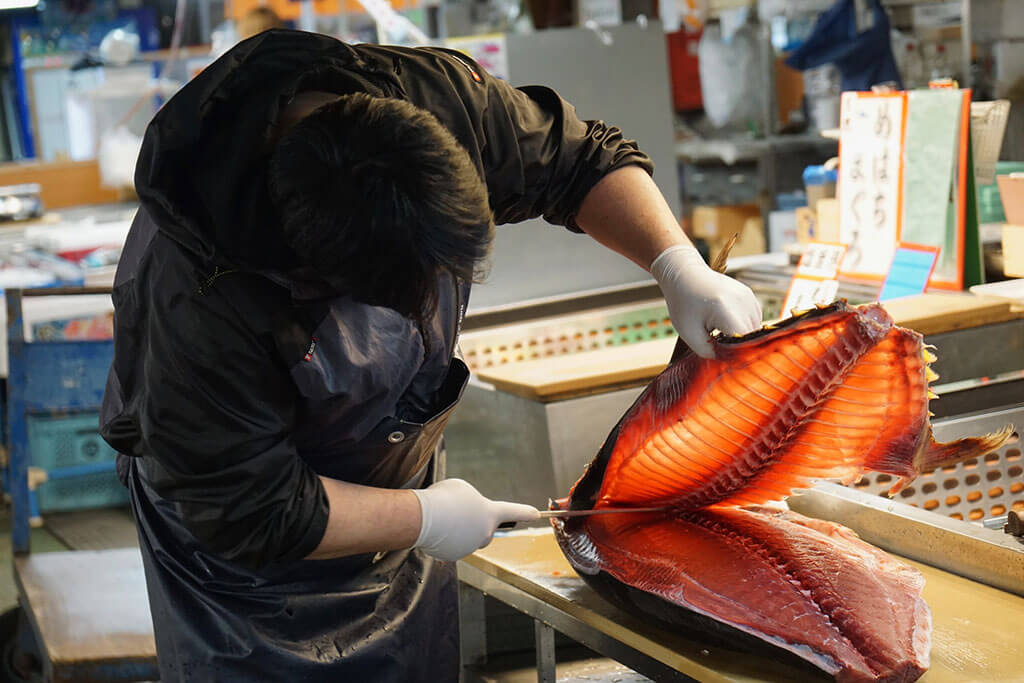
(701, 300)
(458, 520)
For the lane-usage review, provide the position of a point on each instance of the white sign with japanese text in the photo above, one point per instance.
(815, 282)
(807, 293)
(821, 260)
(870, 153)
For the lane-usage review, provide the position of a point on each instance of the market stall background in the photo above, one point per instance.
(743, 144)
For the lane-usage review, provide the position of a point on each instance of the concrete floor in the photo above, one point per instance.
(41, 541)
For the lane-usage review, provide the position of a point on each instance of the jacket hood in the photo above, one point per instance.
(202, 170)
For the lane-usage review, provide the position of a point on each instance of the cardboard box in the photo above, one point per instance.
(64, 183)
(1011, 190)
(789, 91)
(752, 240)
(815, 193)
(828, 220)
(1013, 250)
(806, 225)
(717, 224)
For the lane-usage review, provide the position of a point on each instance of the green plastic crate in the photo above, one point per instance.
(990, 205)
(67, 441)
(1008, 167)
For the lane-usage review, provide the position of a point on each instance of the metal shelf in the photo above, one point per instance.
(731, 150)
(715, 8)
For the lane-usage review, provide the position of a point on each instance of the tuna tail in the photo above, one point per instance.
(937, 454)
(934, 455)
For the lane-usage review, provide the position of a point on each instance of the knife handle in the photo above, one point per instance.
(1014, 524)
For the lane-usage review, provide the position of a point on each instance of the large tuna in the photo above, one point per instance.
(827, 394)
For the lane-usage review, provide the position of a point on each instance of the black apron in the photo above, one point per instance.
(375, 617)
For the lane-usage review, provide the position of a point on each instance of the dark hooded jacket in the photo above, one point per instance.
(235, 382)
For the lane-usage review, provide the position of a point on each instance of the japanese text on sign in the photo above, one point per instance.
(805, 293)
(871, 141)
(815, 283)
(821, 260)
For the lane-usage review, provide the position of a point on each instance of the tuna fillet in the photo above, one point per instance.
(825, 395)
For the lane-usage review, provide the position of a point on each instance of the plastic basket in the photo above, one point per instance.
(69, 441)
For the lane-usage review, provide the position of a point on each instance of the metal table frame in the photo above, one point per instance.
(49, 378)
(474, 584)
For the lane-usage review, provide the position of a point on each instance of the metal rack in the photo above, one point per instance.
(85, 613)
(716, 7)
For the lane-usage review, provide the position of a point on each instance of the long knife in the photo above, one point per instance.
(547, 514)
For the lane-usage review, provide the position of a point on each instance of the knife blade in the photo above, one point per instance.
(547, 514)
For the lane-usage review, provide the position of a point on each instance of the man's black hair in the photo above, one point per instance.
(379, 198)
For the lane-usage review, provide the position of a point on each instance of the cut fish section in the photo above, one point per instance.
(806, 586)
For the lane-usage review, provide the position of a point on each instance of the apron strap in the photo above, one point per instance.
(432, 471)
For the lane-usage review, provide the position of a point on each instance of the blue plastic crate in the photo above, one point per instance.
(70, 441)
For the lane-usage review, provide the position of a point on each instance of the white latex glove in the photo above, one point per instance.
(457, 519)
(701, 300)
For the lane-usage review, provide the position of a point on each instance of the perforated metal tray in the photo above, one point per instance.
(562, 335)
(973, 490)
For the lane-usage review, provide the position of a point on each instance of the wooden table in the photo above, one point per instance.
(90, 614)
(974, 636)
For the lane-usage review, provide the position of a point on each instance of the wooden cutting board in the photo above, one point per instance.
(569, 376)
(933, 313)
(579, 374)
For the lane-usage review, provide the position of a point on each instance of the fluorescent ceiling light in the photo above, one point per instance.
(17, 4)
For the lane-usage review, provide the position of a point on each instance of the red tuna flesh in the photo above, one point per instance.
(807, 586)
(826, 395)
